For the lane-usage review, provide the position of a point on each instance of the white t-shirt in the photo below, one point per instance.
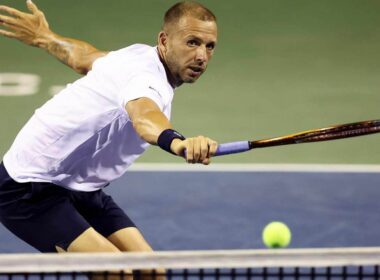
(83, 138)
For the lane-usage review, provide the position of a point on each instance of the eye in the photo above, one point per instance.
(192, 43)
(210, 46)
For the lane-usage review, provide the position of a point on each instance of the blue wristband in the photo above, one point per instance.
(166, 138)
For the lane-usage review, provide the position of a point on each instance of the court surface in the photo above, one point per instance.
(225, 208)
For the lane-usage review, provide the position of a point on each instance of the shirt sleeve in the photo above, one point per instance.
(144, 85)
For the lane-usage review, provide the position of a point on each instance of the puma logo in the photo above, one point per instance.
(152, 88)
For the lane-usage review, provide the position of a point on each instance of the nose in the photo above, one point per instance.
(201, 55)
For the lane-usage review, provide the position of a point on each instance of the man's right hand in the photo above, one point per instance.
(198, 149)
(29, 28)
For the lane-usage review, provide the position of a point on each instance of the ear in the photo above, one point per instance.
(162, 40)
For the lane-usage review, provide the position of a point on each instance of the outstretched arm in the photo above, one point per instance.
(33, 29)
(149, 122)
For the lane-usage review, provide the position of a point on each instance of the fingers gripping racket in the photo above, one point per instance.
(314, 135)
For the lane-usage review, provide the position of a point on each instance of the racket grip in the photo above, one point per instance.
(232, 148)
(229, 148)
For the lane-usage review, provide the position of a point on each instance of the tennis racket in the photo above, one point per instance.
(313, 135)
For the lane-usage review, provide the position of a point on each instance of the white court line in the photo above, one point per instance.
(218, 167)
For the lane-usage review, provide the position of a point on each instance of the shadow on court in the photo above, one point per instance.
(215, 210)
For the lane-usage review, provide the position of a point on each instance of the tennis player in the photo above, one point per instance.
(86, 136)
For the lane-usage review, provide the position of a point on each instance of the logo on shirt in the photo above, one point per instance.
(152, 88)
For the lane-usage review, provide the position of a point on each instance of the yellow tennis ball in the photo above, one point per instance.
(276, 235)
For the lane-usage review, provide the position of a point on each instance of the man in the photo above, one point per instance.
(86, 136)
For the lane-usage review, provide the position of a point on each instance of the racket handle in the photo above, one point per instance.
(232, 148)
(229, 148)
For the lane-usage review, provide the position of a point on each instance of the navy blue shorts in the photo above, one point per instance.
(46, 215)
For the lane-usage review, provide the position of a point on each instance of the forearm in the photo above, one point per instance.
(148, 121)
(153, 126)
(33, 29)
(155, 129)
(76, 54)
(150, 126)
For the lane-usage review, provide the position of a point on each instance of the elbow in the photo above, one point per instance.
(86, 64)
(82, 70)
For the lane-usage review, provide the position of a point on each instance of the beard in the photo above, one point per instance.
(179, 73)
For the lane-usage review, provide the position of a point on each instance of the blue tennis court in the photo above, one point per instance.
(227, 209)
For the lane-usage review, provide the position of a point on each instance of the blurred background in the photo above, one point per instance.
(279, 67)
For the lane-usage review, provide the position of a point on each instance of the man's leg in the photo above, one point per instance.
(90, 241)
(131, 240)
(110, 220)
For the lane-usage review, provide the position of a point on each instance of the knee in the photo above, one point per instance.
(91, 241)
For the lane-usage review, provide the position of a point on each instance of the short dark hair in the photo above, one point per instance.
(188, 8)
